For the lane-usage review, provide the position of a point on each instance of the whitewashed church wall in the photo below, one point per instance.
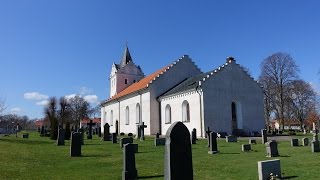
(114, 107)
(176, 111)
(228, 85)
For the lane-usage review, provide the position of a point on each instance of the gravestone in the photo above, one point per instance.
(305, 141)
(231, 138)
(61, 136)
(42, 132)
(178, 155)
(114, 138)
(272, 149)
(129, 163)
(264, 136)
(315, 145)
(223, 134)
(246, 147)
(194, 136)
(117, 126)
(142, 126)
(81, 131)
(252, 141)
(90, 129)
(122, 134)
(130, 134)
(138, 133)
(99, 132)
(124, 141)
(213, 143)
(265, 168)
(159, 141)
(106, 133)
(294, 142)
(75, 144)
(208, 136)
(135, 148)
(25, 135)
(158, 135)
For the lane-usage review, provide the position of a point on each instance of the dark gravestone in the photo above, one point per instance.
(61, 136)
(99, 132)
(42, 132)
(122, 134)
(294, 142)
(246, 147)
(25, 135)
(39, 129)
(157, 135)
(130, 134)
(223, 134)
(178, 155)
(305, 141)
(124, 141)
(194, 136)
(264, 138)
(208, 135)
(138, 133)
(159, 141)
(231, 138)
(315, 145)
(213, 143)
(114, 138)
(75, 144)
(129, 163)
(135, 148)
(252, 141)
(106, 132)
(90, 129)
(142, 126)
(272, 149)
(117, 126)
(81, 131)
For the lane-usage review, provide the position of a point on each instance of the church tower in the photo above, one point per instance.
(124, 74)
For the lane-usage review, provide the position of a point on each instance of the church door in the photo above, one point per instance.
(234, 126)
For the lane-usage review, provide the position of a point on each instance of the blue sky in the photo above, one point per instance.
(59, 48)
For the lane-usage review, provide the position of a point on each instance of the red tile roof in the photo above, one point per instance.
(95, 120)
(143, 83)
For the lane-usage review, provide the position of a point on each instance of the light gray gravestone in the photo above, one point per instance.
(305, 141)
(246, 147)
(75, 144)
(264, 137)
(178, 155)
(106, 132)
(272, 149)
(252, 141)
(213, 149)
(126, 140)
(129, 163)
(294, 142)
(266, 168)
(231, 138)
(61, 136)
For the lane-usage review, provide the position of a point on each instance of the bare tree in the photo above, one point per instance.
(79, 109)
(50, 112)
(64, 111)
(278, 70)
(2, 105)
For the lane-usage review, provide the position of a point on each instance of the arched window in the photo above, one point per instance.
(127, 115)
(168, 114)
(126, 81)
(185, 111)
(138, 116)
(111, 118)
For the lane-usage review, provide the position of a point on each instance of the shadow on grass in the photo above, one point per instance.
(95, 155)
(289, 177)
(26, 141)
(150, 177)
(284, 156)
(229, 153)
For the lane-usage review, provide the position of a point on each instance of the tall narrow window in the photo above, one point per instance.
(185, 111)
(105, 117)
(127, 115)
(168, 114)
(126, 81)
(138, 116)
(111, 118)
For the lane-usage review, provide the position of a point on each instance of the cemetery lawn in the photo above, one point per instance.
(39, 158)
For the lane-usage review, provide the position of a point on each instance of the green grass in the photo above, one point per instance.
(39, 158)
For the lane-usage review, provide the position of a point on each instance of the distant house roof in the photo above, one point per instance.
(94, 120)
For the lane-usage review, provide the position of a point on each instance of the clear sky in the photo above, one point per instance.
(65, 47)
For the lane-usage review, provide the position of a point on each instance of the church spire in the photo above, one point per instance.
(126, 57)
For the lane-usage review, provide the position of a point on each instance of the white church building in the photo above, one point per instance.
(225, 99)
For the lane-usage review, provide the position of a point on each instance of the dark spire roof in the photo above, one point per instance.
(126, 57)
